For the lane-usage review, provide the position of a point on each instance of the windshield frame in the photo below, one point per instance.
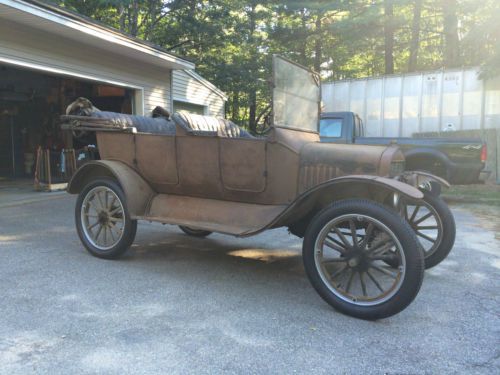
(281, 122)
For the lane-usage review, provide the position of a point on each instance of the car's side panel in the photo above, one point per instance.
(156, 158)
(198, 166)
(236, 218)
(282, 174)
(117, 146)
(243, 164)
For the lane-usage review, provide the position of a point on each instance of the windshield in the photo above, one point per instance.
(330, 127)
(296, 96)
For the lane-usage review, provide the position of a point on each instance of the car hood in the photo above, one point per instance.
(320, 162)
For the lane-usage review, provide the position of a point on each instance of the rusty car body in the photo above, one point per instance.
(208, 176)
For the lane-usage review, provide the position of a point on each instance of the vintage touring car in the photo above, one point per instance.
(360, 217)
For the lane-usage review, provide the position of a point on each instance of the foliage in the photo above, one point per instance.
(232, 41)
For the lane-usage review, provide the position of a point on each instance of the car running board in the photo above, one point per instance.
(234, 218)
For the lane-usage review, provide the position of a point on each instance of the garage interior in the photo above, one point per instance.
(30, 105)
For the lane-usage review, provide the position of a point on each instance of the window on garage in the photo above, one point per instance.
(189, 107)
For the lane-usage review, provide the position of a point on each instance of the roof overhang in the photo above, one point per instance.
(55, 20)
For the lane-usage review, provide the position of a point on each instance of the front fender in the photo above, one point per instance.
(137, 191)
(419, 179)
(374, 188)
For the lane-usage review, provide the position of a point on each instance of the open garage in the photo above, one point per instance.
(30, 105)
(48, 58)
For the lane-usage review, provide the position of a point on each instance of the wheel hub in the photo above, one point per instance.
(103, 217)
(353, 262)
(358, 261)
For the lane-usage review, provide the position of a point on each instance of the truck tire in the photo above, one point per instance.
(434, 188)
(102, 219)
(345, 262)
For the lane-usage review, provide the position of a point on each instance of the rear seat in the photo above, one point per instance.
(220, 126)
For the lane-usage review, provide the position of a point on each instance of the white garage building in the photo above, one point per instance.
(49, 56)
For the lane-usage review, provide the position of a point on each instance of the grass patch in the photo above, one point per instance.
(488, 193)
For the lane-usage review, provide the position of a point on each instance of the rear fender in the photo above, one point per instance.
(375, 188)
(137, 191)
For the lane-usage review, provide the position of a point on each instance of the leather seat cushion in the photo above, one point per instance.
(223, 127)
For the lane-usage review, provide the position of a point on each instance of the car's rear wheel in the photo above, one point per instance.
(434, 225)
(102, 219)
(194, 232)
(345, 262)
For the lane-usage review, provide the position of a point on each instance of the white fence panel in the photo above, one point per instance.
(492, 104)
(357, 97)
(450, 103)
(473, 97)
(400, 105)
(373, 117)
(412, 87)
(392, 106)
(431, 88)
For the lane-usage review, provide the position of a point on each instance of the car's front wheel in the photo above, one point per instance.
(102, 219)
(345, 250)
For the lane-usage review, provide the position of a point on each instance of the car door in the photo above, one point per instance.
(198, 164)
(243, 164)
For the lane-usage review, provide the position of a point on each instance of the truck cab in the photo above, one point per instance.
(341, 127)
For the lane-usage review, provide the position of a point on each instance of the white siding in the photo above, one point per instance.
(37, 47)
(188, 89)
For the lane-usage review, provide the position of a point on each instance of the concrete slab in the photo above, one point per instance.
(16, 192)
(181, 305)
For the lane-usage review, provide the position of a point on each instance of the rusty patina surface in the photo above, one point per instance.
(209, 174)
(239, 186)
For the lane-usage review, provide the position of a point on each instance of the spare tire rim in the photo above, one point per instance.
(103, 217)
(350, 254)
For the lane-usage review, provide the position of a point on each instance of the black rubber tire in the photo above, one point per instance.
(195, 232)
(449, 230)
(130, 226)
(412, 250)
(435, 188)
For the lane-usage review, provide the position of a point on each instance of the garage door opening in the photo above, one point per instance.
(30, 105)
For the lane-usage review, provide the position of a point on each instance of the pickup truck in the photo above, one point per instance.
(457, 160)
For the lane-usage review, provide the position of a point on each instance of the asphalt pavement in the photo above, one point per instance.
(181, 305)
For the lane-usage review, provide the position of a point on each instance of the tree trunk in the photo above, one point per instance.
(415, 36)
(252, 93)
(122, 16)
(134, 19)
(389, 36)
(318, 50)
(302, 50)
(450, 27)
(235, 107)
(252, 104)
